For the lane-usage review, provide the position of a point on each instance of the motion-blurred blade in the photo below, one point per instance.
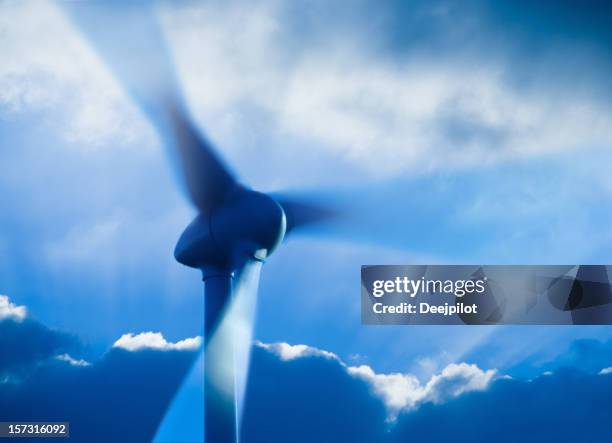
(183, 420)
(428, 216)
(242, 321)
(129, 39)
(305, 212)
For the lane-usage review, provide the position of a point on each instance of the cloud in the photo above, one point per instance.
(457, 379)
(404, 392)
(314, 398)
(155, 340)
(434, 115)
(308, 399)
(416, 112)
(330, 401)
(606, 371)
(129, 389)
(398, 391)
(257, 83)
(287, 352)
(74, 362)
(53, 71)
(26, 343)
(567, 406)
(9, 310)
(41, 380)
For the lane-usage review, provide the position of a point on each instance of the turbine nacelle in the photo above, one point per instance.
(247, 225)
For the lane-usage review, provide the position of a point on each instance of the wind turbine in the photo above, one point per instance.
(236, 228)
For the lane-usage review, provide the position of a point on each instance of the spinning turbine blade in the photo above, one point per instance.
(303, 212)
(233, 331)
(236, 328)
(127, 36)
(428, 216)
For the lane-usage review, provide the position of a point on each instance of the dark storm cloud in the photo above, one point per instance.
(309, 399)
(27, 343)
(120, 398)
(570, 406)
(124, 395)
(315, 399)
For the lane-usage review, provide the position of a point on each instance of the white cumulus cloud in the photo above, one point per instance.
(11, 310)
(457, 379)
(606, 371)
(287, 352)
(406, 392)
(399, 391)
(155, 340)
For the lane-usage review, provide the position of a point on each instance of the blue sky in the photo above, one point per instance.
(477, 133)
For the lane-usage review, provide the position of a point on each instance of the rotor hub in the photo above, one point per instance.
(248, 225)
